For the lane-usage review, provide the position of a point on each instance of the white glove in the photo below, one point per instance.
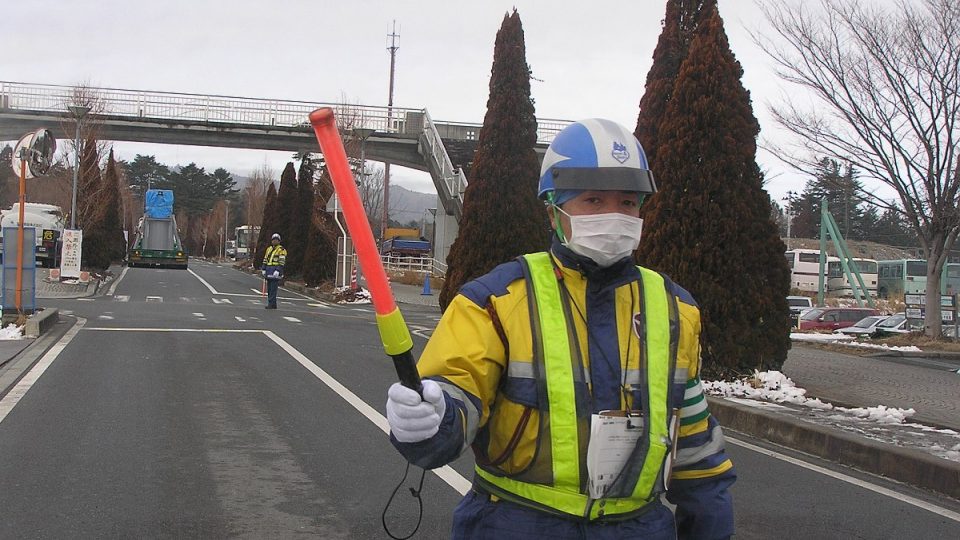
(412, 419)
(276, 273)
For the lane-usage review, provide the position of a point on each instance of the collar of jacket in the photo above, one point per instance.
(620, 272)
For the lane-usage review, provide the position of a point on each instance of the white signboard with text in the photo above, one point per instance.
(70, 255)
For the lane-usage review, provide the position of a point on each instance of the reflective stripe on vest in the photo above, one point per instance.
(564, 496)
(272, 256)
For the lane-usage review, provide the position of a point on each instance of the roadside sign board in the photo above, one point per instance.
(71, 253)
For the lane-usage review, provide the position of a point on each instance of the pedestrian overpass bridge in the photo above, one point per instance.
(401, 136)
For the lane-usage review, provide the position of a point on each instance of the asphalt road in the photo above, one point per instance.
(179, 408)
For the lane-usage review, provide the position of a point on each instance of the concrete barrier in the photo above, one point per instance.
(40, 322)
(906, 465)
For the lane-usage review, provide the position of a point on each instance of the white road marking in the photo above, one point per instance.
(949, 514)
(191, 330)
(13, 397)
(85, 299)
(154, 299)
(207, 285)
(105, 317)
(221, 301)
(117, 282)
(324, 306)
(292, 319)
(199, 315)
(446, 473)
(122, 298)
(240, 319)
(186, 299)
(258, 292)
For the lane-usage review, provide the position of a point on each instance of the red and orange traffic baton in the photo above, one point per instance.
(393, 330)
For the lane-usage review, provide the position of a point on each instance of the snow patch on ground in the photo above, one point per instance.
(346, 295)
(776, 387)
(774, 390)
(11, 331)
(848, 341)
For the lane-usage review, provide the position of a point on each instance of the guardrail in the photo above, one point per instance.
(414, 264)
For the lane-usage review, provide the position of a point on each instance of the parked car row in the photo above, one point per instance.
(853, 321)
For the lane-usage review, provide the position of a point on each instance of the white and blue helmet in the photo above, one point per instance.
(595, 154)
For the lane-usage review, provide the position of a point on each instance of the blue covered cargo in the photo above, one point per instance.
(159, 203)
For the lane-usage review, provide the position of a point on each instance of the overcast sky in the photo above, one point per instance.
(590, 59)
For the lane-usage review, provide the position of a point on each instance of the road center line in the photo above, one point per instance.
(949, 514)
(13, 397)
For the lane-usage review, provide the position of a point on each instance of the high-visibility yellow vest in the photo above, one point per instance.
(552, 330)
(275, 256)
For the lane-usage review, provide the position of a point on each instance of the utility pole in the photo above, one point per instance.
(392, 47)
(789, 214)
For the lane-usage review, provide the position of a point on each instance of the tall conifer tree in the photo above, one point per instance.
(709, 226)
(679, 24)
(502, 217)
(287, 205)
(268, 225)
(301, 217)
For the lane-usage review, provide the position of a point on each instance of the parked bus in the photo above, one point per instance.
(805, 269)
(837, 283)
(246, 238)
(950, 279)
(901, 276)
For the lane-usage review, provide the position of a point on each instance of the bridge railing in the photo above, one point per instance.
(231, 109)
(453, 178)
(194, 107)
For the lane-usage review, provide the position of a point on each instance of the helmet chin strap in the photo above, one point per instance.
(558, 230)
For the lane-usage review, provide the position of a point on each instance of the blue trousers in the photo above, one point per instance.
(272, 286)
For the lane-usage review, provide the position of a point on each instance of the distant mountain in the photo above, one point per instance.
(407, 205)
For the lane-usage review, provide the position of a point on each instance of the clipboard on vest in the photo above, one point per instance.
(613, 436)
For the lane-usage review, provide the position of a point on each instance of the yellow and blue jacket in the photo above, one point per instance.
(481, 354)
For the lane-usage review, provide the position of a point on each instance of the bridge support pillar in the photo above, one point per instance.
(444, 233)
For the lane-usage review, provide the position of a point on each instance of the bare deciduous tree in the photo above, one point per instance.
(882, 95)
(255, 193)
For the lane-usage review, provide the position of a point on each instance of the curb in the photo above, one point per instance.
(902, 464)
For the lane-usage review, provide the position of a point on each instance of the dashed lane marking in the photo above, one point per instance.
(154, 299)
(240, 319)
(199, 315)
(221, 301)
(122, 298)
(292, 319)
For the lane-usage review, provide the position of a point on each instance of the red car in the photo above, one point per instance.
(832, 318)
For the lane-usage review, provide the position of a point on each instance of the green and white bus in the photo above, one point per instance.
(909, 276)
(901, 276)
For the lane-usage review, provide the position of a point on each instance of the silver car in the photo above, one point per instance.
(863, 327)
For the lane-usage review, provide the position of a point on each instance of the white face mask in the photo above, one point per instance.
(604, 238)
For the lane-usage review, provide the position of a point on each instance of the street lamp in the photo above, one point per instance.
(79, 111)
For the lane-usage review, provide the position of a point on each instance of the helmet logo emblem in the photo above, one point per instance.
(619, 152)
